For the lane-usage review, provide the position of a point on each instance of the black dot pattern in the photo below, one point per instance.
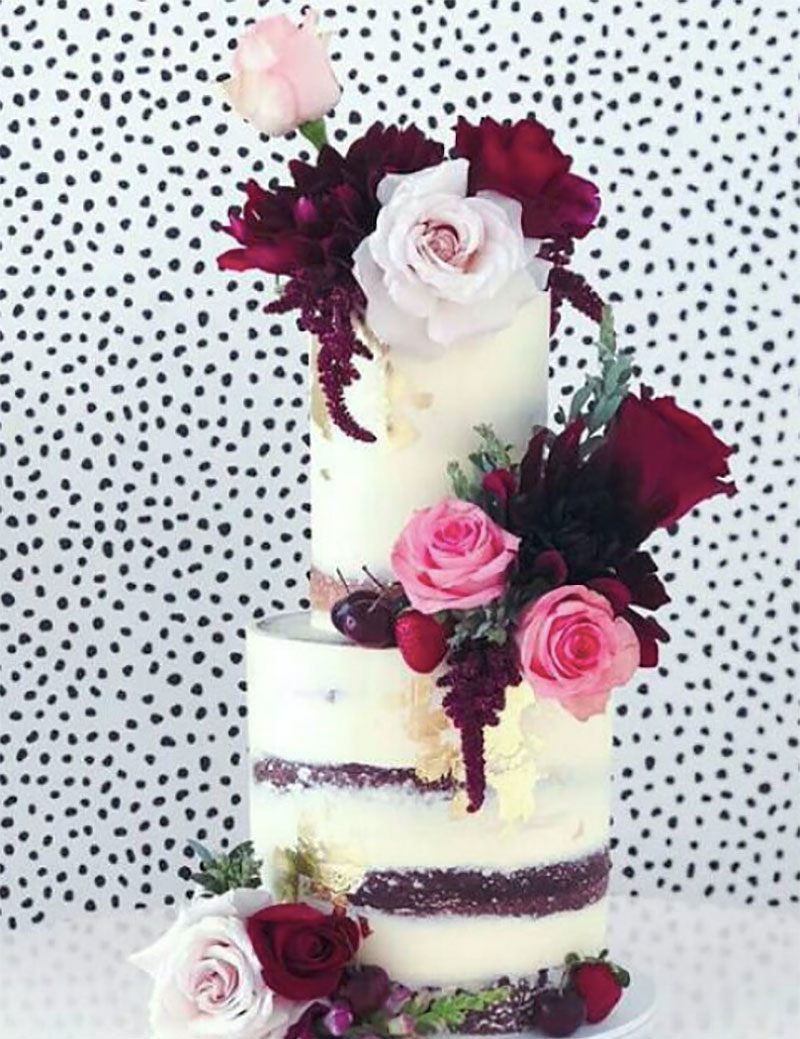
(153, 440)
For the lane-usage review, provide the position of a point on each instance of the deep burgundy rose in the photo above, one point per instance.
(661, 459)
(499, 482)
(522, 162)
(302, 952)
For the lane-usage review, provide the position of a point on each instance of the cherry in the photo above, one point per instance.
(557, 1012)
(366, 617)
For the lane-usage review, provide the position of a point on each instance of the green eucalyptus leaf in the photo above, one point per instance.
(201, 851)
(607, 335)
(579, 401)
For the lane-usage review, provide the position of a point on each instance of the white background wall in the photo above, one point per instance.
(152, 439)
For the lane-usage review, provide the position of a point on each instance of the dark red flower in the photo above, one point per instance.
(649, 633)
(638, 574)
(306, 1026)
(308, 232)
(661, 459)
(593, 509)
(303, 952)
(501, 483)
(523, 162)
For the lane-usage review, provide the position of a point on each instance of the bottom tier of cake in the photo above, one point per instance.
(353, 756)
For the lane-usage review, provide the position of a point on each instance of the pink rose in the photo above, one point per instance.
(574, 650)
(281, 75)
(208, 980)
(452, 556)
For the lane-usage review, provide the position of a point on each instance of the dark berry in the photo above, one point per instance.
(366, 617)
(558, 1013)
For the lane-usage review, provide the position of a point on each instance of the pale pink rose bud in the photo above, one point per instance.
(281, 75)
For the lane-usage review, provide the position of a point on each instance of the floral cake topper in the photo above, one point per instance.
(429, 250)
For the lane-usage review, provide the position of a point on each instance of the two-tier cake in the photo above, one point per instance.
(431, 742)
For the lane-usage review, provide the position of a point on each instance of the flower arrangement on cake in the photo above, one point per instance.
(534, 569)
(240, 964)
(527, 582)
(426, 250)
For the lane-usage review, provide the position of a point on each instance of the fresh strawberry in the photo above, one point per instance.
(599, 982)
(421, 640)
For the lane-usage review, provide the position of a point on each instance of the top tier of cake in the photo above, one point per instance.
(422, 412)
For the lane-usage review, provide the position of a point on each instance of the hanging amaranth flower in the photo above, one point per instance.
(308, 233)
(478, 674)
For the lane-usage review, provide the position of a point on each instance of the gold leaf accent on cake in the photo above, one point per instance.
(428, 726)
(313, 869)
(511, 750)
(400, 394)
(459, 805)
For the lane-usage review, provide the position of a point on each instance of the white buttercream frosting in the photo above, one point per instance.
(422, 412)
(317, 699)
(473, 951)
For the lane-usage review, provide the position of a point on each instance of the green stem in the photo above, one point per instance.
(314, 131)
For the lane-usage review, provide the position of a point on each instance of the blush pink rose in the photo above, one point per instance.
(281, 75)
(574, 650)
(208, 979)
(452, 556)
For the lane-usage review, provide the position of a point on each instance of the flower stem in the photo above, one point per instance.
(314, 131)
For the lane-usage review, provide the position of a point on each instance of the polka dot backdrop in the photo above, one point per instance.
(154, 444)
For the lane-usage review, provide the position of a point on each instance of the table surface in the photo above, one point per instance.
(721, 973)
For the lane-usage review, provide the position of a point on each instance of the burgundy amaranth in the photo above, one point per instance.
(535, 891)
(284, 775)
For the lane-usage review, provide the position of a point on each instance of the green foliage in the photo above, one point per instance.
(490, 454)
(600, 396)
(489, 622)
(233, 869)
(314, 131)
(448, 1012)
(463, 487)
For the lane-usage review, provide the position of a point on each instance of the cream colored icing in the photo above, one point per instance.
(394, 828)
(422, 412)
(475, 951)
(315, 698)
